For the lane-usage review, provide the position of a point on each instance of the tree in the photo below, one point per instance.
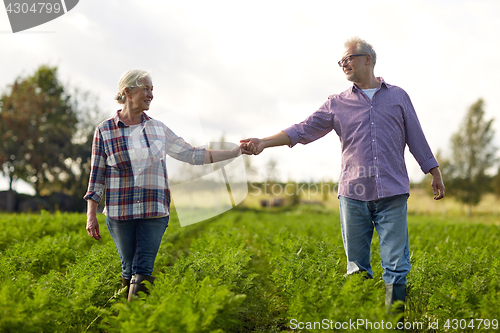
(38, 124)
(473, 154)
(12, 135)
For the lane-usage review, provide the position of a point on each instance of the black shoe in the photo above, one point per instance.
(137, 284)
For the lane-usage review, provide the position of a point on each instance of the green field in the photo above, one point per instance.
(247, 270)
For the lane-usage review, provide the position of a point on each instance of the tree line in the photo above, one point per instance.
(46, 132)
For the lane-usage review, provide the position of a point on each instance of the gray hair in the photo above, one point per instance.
(362, 47)
(130, 79)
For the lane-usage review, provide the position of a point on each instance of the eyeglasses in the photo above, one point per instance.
(347, 60)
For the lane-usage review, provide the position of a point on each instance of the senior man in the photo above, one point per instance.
(375, 121)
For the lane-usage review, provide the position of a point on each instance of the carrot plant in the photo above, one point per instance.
(243, 271)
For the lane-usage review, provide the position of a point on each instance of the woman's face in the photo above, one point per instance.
(141, 97)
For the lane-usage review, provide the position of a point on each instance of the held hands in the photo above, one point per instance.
(252, 146)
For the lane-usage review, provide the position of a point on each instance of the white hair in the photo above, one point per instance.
(130, 79)
(362, 47)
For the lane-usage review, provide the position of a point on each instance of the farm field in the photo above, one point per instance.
(247, 270)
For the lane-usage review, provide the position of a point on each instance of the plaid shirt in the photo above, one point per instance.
(135, 188)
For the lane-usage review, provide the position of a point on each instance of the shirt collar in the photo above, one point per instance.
(120, 123)
(382, 83)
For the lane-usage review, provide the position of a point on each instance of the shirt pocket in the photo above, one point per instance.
(119, 160)
(156, 152)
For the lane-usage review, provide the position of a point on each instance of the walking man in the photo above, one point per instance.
(375, 121)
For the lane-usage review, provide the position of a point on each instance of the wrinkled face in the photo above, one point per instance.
(142, 96)
(354, 67)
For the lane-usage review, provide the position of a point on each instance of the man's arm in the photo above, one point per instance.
(256, 146)
(437, 183)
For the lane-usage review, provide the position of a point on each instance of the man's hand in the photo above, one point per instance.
(437, 183)
(252, 146)
(256, 146)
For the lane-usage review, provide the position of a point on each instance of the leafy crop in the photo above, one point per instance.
(244, 271)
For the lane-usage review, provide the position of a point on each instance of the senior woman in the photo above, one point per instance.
(128, 153)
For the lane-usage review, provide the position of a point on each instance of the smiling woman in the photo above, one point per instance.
(128, 161)
(137, 82)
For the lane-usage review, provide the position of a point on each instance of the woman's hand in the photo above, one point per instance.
(93, 227)
(92, 223)
(252, 146)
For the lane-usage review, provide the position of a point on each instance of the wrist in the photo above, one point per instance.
(435, 171)
(267, 142)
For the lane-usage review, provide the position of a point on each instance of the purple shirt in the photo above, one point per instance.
(373, 135)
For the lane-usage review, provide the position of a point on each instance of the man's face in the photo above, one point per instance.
(354, 67)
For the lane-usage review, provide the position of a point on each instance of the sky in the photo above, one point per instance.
(237, 69)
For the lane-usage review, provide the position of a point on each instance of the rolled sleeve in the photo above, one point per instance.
(428, 165)
(93, 196)
(292, 133)
(97, 178)
(313, 127)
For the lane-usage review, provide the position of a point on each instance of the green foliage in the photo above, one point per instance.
(243, 271)
(456, 271)
(46, 132)
(200, 293)
(39, 106)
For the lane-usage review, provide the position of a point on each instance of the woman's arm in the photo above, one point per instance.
(96, 184)
(212, 156)
(92, 223)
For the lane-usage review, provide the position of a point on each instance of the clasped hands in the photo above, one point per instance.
(252, 146)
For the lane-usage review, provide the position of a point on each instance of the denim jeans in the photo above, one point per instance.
(388, 217)
(137, 242)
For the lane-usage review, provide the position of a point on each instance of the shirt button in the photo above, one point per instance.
(375, 158)
(373, 123)
(373, 140)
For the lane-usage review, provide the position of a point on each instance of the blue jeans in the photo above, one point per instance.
(388, 217)
(137, 242)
